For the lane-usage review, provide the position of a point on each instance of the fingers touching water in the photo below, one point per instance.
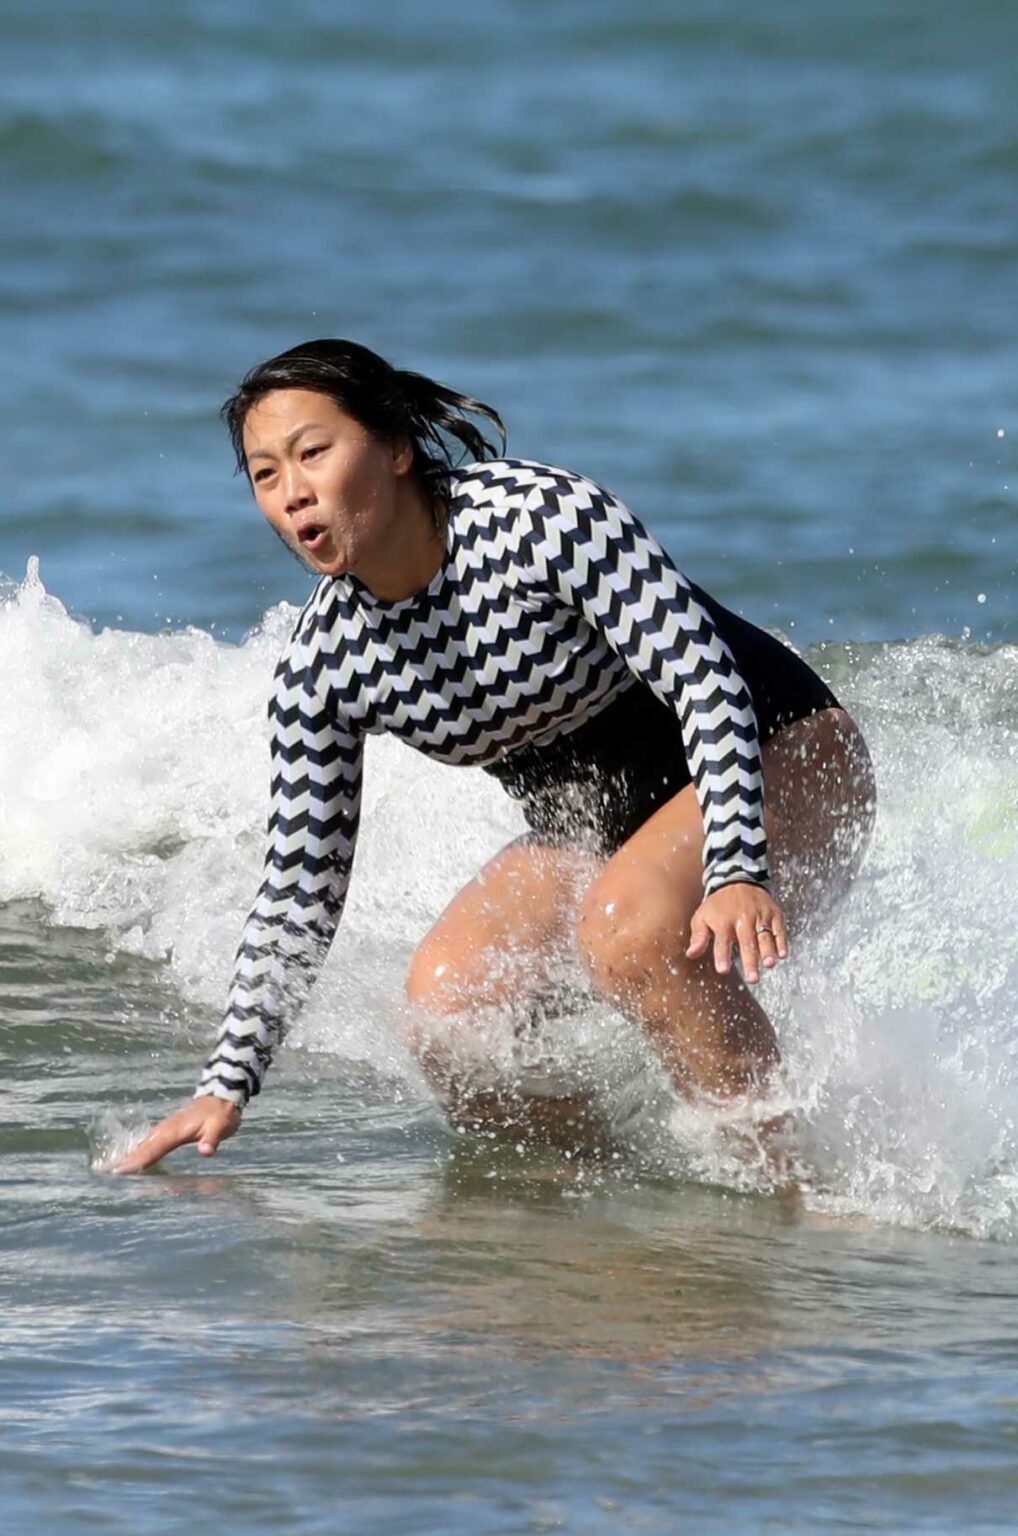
(205, 1120)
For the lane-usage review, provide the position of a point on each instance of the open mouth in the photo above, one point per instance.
(312, 536)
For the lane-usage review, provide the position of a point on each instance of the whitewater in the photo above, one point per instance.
(133, 797)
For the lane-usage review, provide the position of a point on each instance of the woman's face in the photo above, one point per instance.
(329, 489)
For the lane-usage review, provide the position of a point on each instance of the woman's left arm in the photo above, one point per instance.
(599, 558)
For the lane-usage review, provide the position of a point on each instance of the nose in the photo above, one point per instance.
(296, 488)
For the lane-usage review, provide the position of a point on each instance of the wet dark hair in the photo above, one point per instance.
(388, 402)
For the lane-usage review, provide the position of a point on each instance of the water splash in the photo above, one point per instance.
(133, 790)
(111, 1135)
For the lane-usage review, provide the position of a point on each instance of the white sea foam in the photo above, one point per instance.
(133, 789)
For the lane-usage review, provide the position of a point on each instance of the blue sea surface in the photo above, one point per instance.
(756, 274)
(756, 270)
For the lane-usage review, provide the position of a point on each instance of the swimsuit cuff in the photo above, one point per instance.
(216, 1090)
(738, 877)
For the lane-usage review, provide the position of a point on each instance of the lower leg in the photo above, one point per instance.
(715, 1027)
(493, 958)
(570, 1123)
(711, 1033)
(480, 1099)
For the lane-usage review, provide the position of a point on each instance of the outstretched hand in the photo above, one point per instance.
(206, 1120)
(742, 914)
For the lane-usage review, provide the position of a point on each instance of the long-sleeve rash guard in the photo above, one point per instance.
(552, 597)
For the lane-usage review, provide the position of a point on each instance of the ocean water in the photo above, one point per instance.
(756, 271)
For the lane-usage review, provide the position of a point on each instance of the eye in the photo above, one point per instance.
(315, 448)
(260, 474)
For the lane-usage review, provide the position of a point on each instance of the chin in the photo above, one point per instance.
(334, 567)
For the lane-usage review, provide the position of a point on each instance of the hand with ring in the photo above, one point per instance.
(745, 915)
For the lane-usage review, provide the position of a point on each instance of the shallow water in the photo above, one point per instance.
(351, 1322)
(754, 272)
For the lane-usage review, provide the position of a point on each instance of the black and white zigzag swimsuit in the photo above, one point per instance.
(557, 647)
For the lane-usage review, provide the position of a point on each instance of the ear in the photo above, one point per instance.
(402, 455)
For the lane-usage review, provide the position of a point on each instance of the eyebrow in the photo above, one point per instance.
(263, 453)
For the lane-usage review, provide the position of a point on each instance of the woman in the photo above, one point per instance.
(690, 785)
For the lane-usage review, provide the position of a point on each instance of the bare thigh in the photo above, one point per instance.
(821, 798)
(500, 936)
(819, 807)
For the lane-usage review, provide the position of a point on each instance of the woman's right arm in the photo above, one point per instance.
(312, 832)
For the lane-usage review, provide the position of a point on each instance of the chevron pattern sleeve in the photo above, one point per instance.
(312, 830)
(596, 556)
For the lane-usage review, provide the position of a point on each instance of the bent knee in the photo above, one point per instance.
(628, 927)
(431, 979)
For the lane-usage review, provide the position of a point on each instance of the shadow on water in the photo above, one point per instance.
(480, 1251)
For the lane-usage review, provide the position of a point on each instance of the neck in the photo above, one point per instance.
(416, 552)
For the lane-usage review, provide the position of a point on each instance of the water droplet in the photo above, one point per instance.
(981, 597)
